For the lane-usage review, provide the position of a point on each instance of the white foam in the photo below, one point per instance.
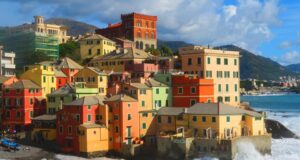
(247, 151)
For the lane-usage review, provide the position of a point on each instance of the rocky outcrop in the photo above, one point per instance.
(278, 130)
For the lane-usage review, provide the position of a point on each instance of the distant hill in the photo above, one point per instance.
(294, 67)
(74, 27)
(259, 67)
(174, 45)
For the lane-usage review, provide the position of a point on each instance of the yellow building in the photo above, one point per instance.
(92, 78)
(93, 139)
(210, 120)
(95, 45)
(51, 29)
(43, 75)
(222, 66)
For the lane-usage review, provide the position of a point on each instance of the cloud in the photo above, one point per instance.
(292, 57)
(246, 23)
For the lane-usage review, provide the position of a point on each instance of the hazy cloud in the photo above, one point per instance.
(197, 21)
(292, 57)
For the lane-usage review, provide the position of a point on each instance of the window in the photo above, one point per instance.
(180, 117)
(116, 117)
(146, 35)
(44, 68)
(89, 107)
(190, 61)
(167, 103)
(18, 115)
(199, 60)
(193, 102)
(117, 129)
(101, 90)
(228, 119)
(219, 88)
(157, 90)
(257, 118)
(225, 61)
(195, 118)
(18, 102)
(227, 87)
(208, 74)
(159, 119)
(142, 91)
(227, 99)
(243, 118)
(31, 101)
(235, 62)
(167, 90)
(208, 60)
(90, 51)
(193, 90)
(218, 61)
(180, 90)
(144, 126)
(128, 105)
(101, 79)
(60, 129)
(6, 90)
(143, 103)
(18, 90)
(78, 118)
(236, 99)
(213, 119)
(97, 117)
(98, 51)
(235, 87)
(169, 119)
(44, 79)
(129, 117)
(167, 79)
(203, 119)
(89, 117)
(52, 79)
(145, 115)
(31, 114)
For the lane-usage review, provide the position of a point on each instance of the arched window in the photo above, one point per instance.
(147, 35)
(141, 45)
(139, 35)
(152, 35)
(220, 99)
(152, 24)
(137, 44)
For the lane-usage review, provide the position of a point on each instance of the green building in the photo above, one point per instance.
(161, 94)
(67, 94)
(25, 43)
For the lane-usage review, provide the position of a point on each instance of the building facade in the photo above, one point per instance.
(139, 28)
(7, 62)
(221, 66)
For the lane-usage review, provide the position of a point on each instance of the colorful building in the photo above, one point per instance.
(91, 77)
(136, 27)
(124, 126)
(95, 45)
(22, 101)
(7, 63)
(69, 68)
(4, 82)
(161, 96)
(79, 128)
(61, 78)
(43, 128)
(221, 66)
(190, 89)
(210, 120)
(43, 75)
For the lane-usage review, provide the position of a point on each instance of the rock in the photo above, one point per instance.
(278, 130)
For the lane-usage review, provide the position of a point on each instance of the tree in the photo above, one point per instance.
(166, 51)
(37, 57)
(70, 49)
(153, 51)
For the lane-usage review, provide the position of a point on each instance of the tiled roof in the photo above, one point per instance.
(121, 98)
(170, 111)
(3, 79)
(24, 84)
(87, 100)
(97, 36)
(59, 73)
(140, 85)
(218, 109)
(130, 53)
(153, 83)
(97, 71)
(44, 117)
(64, 90)
(69, 63)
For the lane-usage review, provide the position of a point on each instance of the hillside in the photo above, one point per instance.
(259, 67)
(74, 27)
(294, 67)
(174, 45)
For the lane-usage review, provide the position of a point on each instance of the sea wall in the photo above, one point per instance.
(189, 148)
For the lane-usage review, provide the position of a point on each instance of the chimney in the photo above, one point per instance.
(185, 110)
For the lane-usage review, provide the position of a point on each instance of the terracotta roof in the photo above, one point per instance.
(69, 63)
(140, 85)
(87, 100)
(96, 70)
(45, 117)
(92, 125)
(130, 53)
(24, 84)
(218, 109)
(97, 36)
(121, 98)
(153, 83)
(59, 73)
(114, 25)
(64, 90)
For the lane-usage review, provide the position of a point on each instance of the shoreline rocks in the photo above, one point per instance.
(278, 130)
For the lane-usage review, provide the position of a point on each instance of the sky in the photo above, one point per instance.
(270, 28)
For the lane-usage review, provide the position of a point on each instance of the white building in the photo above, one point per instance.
(7, 61)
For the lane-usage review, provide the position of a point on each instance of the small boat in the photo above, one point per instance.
(9, 144)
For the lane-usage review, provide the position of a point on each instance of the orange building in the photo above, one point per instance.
(124, 125)
(190, 89)
(139, 28)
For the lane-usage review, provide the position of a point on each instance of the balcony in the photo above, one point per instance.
(8, 66)
(10, 55)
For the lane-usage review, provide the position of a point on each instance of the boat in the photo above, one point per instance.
(9, 144)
